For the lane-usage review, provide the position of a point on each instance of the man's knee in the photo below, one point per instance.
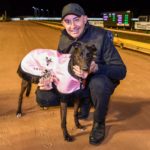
(97, 82)
(47, 98)
(101, 84)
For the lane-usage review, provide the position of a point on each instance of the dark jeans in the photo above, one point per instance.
(99, 89)
(46, 98)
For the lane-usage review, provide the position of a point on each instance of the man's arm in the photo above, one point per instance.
(112, 64)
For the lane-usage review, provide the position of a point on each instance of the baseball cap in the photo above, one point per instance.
(72, 8)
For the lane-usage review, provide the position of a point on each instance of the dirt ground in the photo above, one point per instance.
(127, 125)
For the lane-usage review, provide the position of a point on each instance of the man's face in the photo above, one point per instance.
(74, 25)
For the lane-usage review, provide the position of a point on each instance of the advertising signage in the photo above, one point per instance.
(117, 19)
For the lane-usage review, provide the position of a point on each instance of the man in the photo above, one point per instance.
(106, 72)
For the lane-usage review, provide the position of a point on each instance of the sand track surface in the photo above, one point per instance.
(128, 119)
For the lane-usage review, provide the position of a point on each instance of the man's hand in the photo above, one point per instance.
(46, 83)
(93, 67)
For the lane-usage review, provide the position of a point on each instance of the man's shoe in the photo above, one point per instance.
(97, 134)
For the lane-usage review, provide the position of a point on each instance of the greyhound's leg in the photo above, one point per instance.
(63, 113)
(28, 89)
(24, 85)
(76, 108)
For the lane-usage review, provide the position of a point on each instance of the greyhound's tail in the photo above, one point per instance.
(28, 88)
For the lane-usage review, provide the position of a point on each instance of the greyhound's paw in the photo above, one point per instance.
(68, 138)
(18, 115)
(45, 108)
(79, 126)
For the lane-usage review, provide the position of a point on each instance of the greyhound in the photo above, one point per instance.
(50, 62)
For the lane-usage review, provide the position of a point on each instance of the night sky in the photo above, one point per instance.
(93, 8)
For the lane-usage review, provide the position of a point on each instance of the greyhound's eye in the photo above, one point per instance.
(88, 55)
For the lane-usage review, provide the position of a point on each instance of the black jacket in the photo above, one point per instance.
(108, 59)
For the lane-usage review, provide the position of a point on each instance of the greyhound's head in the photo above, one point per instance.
(82, 56)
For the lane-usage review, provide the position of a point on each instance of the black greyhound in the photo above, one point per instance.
(80, 56)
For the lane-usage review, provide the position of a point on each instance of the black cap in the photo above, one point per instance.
(72, 8)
